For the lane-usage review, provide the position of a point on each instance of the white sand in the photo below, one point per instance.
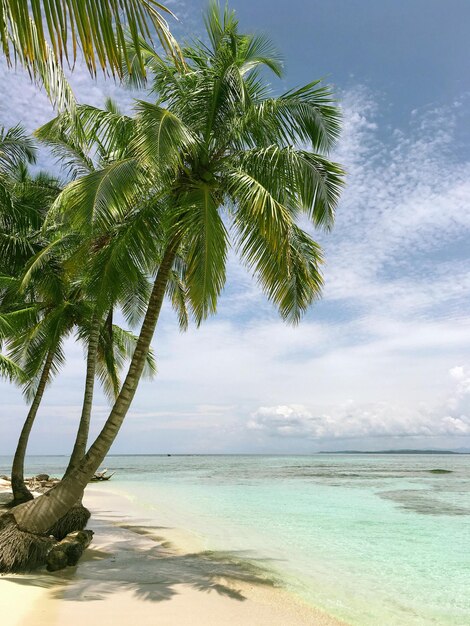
(134, 576)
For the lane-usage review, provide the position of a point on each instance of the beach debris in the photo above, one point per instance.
(43, 482)
(42, 477)
(101, 476)
(69, 550)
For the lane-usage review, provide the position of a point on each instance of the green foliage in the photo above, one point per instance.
(215, 161)
(45, 291)
(98, 28)
(15, 148)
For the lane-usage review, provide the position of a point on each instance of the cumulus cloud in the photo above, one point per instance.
(353, 420)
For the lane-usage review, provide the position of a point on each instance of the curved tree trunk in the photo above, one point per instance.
(20, 491)
(79, 448)
(41, 514)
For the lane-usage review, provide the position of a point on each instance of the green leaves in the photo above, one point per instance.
(206, 241)
(98, 28)
(287, 270)
(298, 179)
(16, 147)
(10, 370)
(116, 347)
(216, 155)
(307, 115)
(100, 199)
(161, 140)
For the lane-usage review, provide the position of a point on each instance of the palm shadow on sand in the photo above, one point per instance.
(137, 559)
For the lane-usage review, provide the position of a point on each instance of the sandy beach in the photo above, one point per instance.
(134, 572)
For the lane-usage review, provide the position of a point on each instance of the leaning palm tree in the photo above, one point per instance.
(215, 161)
(22, 209)
(34, 338)
(43, 305)
(79, 151)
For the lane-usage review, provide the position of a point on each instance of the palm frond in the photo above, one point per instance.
(206, 239)
(65, 137)
(10, 370)
(289, 274)
(298, 179)
(178, 292)
(306, 115)
(16, 146)
(116, 347)
(163, 138)
(258, 50)
(99, 28)
(100, 199)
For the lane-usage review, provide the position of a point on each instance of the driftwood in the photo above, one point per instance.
(101, 476)
(69, 550)
(43, 482)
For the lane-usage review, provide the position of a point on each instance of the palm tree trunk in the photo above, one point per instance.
(39, 515)
(20, 491)
(81, 439)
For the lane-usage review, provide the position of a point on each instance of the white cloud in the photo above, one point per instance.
(407, 201)
(352, 420)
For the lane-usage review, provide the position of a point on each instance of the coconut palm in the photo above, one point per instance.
(45, 305)
(214, 161)
(80, 152)
(34, 338)
(22, 209)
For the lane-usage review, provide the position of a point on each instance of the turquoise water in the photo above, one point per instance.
(373, 539)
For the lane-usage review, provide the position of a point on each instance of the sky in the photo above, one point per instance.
(383, 360)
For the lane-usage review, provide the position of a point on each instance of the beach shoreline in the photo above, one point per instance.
(138, 571)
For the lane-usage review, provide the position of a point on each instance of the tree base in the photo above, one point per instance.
(75, 519)
(21, 551)
(20, 497)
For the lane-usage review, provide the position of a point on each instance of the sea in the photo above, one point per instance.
(374, 539)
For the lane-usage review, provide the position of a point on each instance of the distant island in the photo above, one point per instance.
(392, 452)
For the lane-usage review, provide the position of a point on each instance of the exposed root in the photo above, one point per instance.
(69, 551)
(21, 551)
(75, 519)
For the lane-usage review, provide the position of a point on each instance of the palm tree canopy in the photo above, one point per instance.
(43, 296)
(217, 160)
(29, 30)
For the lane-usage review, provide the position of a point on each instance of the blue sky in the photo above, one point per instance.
(384, 359)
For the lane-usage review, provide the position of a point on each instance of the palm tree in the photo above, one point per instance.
(23, 207)
(80, 152)
(42, 307)
(35, 337)
(216, 155)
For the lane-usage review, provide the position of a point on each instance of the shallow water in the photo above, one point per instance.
(374, 539)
